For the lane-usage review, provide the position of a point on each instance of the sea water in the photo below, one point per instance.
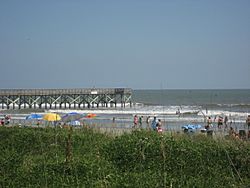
(194, 106)
(165, 103)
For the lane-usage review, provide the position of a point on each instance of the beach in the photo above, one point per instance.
(175, 108)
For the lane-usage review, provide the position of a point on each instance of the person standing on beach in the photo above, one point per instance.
(147, 121)
(2, 121)
(140, 121)
(113, 122)
(225, 121)
(154, 124)
(248, 121)
(7, 119)
(135, 121)
(220, 122)
(209, 123)
(159, 126)
(215, 118)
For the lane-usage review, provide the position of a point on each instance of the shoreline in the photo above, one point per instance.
(119, 129)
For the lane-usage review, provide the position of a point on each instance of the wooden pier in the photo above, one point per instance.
(65, 98)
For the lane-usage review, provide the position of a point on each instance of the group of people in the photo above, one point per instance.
(220, 122)
(138, 121)
(241, 135)
(223, 121)
(5, 120)
(156, 125)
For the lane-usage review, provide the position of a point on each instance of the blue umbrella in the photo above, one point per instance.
(72, 117)
(33, 116)
(191, 126)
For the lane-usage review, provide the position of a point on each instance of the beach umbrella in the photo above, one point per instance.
(191, 126)
(33, 116)
(72, 117)
(75, 123)
(90, 115)
(51, 117)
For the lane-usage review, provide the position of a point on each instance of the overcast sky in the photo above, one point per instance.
(139, 44)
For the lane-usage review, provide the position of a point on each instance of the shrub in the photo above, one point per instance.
(48, 157)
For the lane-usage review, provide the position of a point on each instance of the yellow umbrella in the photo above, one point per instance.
(51, 117)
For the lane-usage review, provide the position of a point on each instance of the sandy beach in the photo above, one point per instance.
(124, 124)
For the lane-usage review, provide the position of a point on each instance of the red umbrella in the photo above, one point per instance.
(90, 116)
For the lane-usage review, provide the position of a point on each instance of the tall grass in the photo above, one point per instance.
(86, 158)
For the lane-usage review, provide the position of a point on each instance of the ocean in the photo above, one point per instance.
(194, 106)
(165, 103)
(230, 100)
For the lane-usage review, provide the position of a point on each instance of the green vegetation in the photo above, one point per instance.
(46, 157)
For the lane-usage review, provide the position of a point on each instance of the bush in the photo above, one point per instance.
(85, 158)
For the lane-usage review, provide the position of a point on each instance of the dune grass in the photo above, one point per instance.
(48, 157)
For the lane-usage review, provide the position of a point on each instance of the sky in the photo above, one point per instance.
(138, 44)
